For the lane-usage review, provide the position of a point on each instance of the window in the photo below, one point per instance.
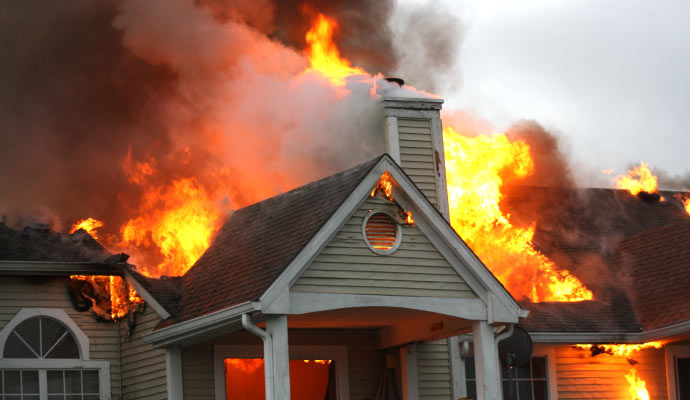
(45, 356)
(381, 232)
(528, 382)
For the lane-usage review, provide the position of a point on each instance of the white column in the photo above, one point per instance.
(173, 365)
(486, 362)
(276, 326)
(408, 372)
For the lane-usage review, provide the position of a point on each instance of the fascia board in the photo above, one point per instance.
(162, 312)
(325, 234)
(57, 268)
(186, 331)
(452, 239)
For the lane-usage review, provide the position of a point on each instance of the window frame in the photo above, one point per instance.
(298, 352)
(671, 353)
(42, 365)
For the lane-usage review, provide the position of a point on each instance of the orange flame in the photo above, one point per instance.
(179, 220)
(90, 225)
(324, 56)
(638, 179)
(685, 199)
(122, 297)
(475, 171)
(385, 186)
(248, 365)
(637, 387)
(322, 362)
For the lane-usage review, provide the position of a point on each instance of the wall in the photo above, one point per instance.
(580, 376)
(434, 371)
(364, 360)
(416, 154)
(20, 292)
(347, 265)
(143, 367)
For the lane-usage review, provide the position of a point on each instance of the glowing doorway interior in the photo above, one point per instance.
(309, 379)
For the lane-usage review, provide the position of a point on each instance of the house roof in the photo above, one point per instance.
(656, 268)
(589, 232)
(257, 242)
(43, 244)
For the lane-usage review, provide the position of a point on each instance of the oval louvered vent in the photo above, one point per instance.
(381, 232)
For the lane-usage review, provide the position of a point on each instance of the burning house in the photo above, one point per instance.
(401, 277)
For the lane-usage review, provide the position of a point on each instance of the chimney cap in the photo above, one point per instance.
(399, 81)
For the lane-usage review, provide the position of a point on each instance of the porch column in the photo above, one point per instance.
(276, 326)
(486, 362)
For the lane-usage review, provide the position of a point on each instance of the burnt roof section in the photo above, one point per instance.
(257, 242)
(655, 266)
(165, 290)
(581, 231)
(43, 244)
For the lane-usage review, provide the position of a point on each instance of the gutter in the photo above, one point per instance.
(268, 352)
(203, 327)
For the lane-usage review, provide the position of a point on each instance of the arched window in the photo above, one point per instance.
(45, 356)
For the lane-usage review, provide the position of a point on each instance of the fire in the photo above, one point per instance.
(685, 199)
(385, 186)
(637, 387)
(623, 350)
(323, 54)
(638, 179)
(122, 297)
(177, 220)
(247, 365)
(322, 362)
(476, 169)
(90, 225)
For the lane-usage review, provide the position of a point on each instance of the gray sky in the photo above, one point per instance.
(610, 77)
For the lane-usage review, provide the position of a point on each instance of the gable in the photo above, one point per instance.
(346, 265)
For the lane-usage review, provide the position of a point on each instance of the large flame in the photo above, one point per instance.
(637, 387)
(121, 298)
(90, 225)
(638, 179)
(178, 221)
(324, 55)
(685, 199)
(476, 168)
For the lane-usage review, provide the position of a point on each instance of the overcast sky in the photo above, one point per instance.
(611, 77)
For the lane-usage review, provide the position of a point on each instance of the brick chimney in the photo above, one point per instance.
(414, 138)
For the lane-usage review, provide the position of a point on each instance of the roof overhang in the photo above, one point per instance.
(58, 268)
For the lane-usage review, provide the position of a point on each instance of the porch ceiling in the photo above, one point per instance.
(363, 318)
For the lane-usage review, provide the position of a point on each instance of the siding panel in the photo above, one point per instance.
(347, 266)
(416, 154)
(433, 369)
(580, 376)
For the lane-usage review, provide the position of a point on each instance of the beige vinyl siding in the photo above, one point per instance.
(197, 372)
(143, 367)
(347, 265)
(417, 154)
(433, 371)
(581, 376)
(23, 292)
(365, 361)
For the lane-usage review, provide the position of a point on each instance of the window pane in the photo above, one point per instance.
(17, 397)
(525, 389)
(73, 381)
(523, 371)
(469, 368)
(91, 381)
(55, 384)
(540, 390)
(30, 382)
(12, 382)
(15, 348)
(30, 332)
(67, 348)
(51, 331)
(31, 397)
(56, 397)
(509, 390)
(74, 397)
(472, 389)
(539, 367)
(92, 397)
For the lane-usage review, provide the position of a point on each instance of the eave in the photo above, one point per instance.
(58, 268)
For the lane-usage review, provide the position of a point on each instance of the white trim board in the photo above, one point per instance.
(336, 353)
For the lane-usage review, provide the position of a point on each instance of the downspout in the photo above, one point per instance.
(505, 334)
(268, 355)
